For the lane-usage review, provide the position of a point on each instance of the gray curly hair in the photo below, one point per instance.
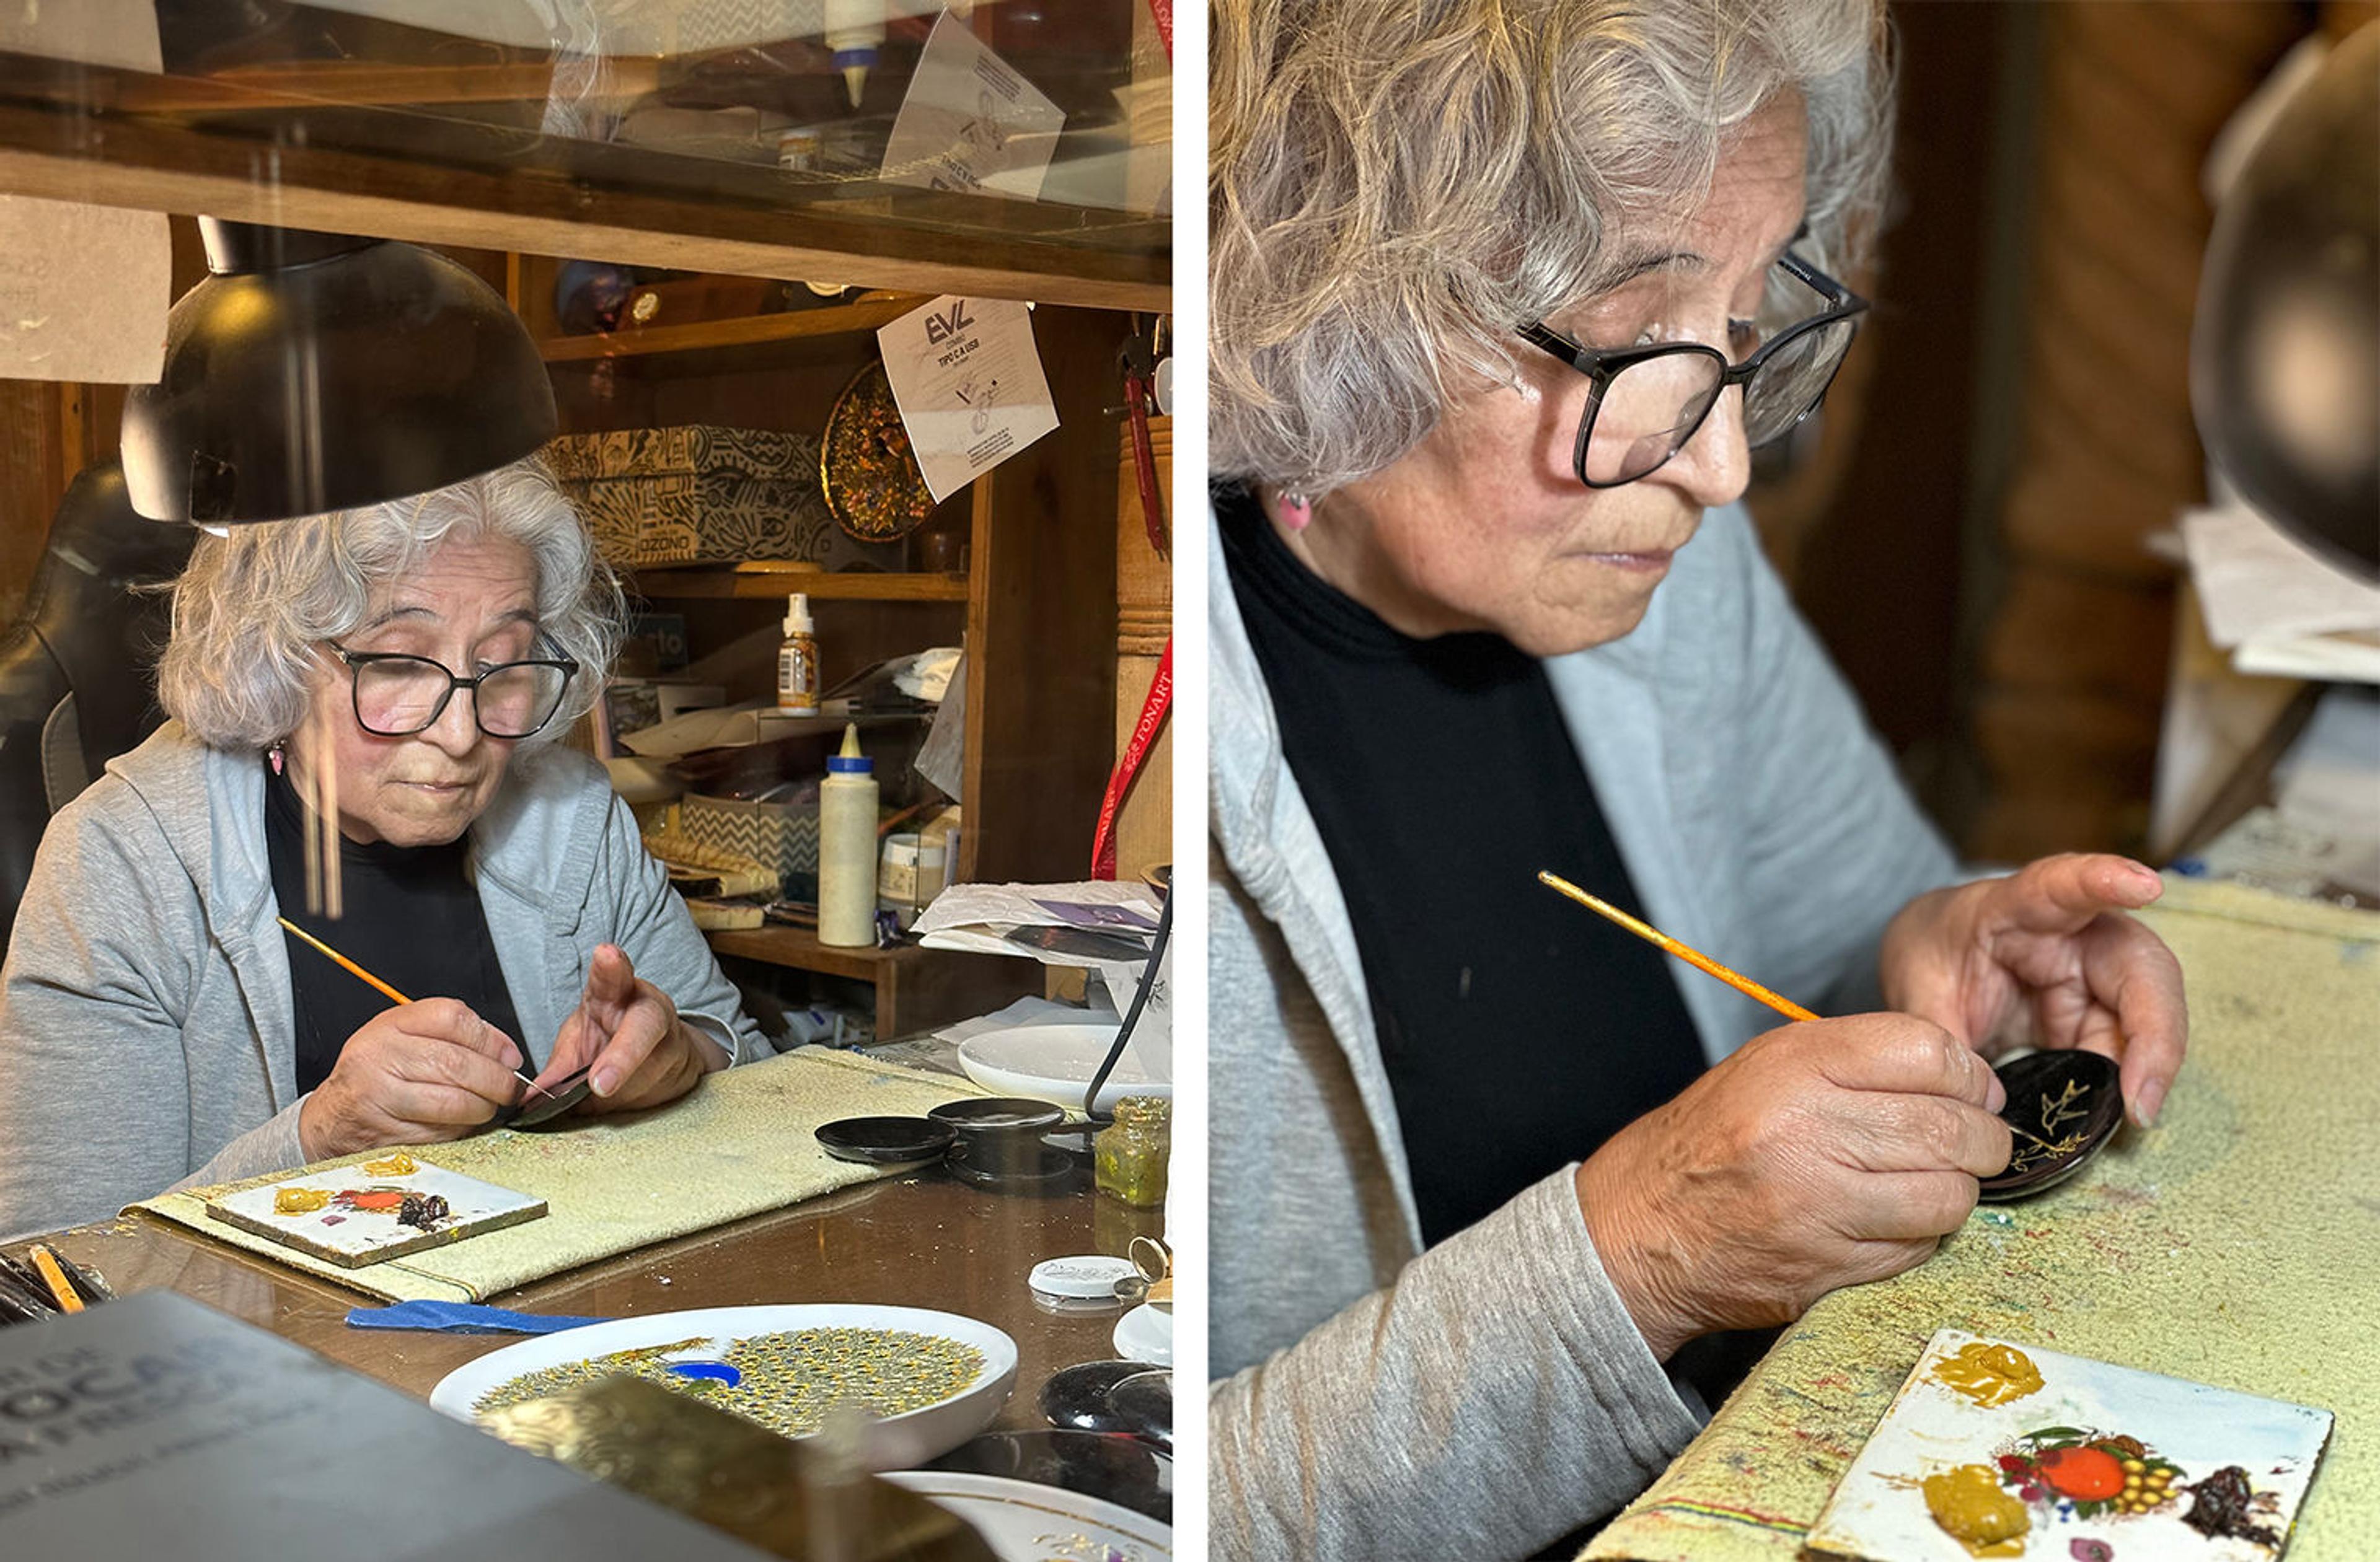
(251, 607)
(1395, 185)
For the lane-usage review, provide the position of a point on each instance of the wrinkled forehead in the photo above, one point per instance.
(478, 581)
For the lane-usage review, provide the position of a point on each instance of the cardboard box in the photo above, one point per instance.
(700, 493)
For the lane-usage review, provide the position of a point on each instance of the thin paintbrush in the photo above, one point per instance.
(1692, 957)
(352, 969)
(1700, 961)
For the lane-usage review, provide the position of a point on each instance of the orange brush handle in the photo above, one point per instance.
(1692, 957)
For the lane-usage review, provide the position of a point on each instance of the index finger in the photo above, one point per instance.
(451, 1019)
(1904, 1055)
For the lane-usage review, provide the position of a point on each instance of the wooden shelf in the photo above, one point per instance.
(777, 944)
(822, 585)
(917, 989)
(864, 313)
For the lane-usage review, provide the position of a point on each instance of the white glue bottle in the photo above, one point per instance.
(847, 847)
(797, 660)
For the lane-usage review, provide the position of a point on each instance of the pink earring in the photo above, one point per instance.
(1296, 510)
(273, 756)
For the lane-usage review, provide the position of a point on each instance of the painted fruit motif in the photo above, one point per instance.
(2086, 1474)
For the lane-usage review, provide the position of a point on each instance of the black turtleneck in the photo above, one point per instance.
(1519, 1031)
(413, 919)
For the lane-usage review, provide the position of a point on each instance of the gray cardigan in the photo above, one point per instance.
(146, 1032)
(1485, 1398)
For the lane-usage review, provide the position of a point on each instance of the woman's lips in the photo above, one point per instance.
(1656, 559)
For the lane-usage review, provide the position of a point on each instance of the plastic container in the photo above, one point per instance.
(797, 660)
(847, 847)
(910, 876)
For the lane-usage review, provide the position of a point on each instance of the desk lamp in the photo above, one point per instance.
(2285, 355)
(315, 371)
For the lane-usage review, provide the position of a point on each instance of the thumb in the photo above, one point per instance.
(2062, 895)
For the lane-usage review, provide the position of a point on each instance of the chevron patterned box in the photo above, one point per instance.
(776, 835)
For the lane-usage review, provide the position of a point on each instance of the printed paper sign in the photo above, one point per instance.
(968, 382)
(970, 123)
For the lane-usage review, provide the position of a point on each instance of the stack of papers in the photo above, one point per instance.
(2277, 608)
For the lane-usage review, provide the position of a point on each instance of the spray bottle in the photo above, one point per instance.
(847, 847)
(797, 660)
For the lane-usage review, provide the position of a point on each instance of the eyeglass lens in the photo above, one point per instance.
(406, 695)
(1653, 407)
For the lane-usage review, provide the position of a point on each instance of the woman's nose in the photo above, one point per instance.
(456, 731)
(1715, 467)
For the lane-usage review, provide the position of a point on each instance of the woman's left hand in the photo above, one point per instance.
(627, 1029)
(2048, 957)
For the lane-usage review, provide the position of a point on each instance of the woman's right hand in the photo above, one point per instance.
(1819, 1155)
(414, 1074)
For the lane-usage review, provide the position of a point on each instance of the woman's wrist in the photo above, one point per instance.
(1616, 1227)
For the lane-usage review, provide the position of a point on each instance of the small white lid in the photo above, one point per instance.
(797, 613)
(1091, 1275)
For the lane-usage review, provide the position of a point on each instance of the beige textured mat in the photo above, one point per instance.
(740, 1144)
(2237, 1243)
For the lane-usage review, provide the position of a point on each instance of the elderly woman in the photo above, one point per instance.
(409, 664)
(1502, 293)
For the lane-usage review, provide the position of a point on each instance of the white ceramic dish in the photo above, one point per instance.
(894, 1442)
(1025, 1522)
(1146, 1334)
(1056, 1062)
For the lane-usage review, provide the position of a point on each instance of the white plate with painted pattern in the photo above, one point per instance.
(1023, 1522)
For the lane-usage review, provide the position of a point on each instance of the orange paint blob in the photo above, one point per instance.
(2084, 1475)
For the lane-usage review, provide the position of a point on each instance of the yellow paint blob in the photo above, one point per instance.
(1989, 1375)
(299, 1201)
(1969, 1505)
(397, 1165)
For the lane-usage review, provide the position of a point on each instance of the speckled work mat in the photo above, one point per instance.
(2235, 1243)
(741, 1143)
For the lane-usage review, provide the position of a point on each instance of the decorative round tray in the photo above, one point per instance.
(873, 485)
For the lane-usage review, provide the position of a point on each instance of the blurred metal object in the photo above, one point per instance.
(669, 1448)
(2285, 355)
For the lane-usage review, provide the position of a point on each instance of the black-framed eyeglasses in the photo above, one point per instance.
(398, 695)
(1645, 404)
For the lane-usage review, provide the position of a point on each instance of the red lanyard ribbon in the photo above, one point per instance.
(1144, 733)
(1163, 11)
(1144, 464)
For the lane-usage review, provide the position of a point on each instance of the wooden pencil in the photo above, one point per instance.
(1692, 957)
(352, 969)
(46, 1264)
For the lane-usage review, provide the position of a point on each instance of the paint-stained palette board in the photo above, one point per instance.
(1998, 1448)
(352, 1215)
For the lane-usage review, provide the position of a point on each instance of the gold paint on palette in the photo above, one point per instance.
(397, 1165)
(300, 1201)
(786, 1381)
(1989, 1375)
(2072, 1103)
(1968, 1505)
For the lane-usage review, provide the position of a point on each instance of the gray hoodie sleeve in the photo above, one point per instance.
(1494, 1398)
(101, 969)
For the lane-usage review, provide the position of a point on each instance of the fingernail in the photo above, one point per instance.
(2152, 1096)
(1995, 1094)
(603, 1079)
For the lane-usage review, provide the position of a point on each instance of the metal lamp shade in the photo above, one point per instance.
(311, 372)
(2285, 356)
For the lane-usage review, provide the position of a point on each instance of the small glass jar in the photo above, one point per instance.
(1131, 1152)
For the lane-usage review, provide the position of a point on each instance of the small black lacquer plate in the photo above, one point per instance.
(887, 1141)
(554, 1100)
(2061, 1107)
